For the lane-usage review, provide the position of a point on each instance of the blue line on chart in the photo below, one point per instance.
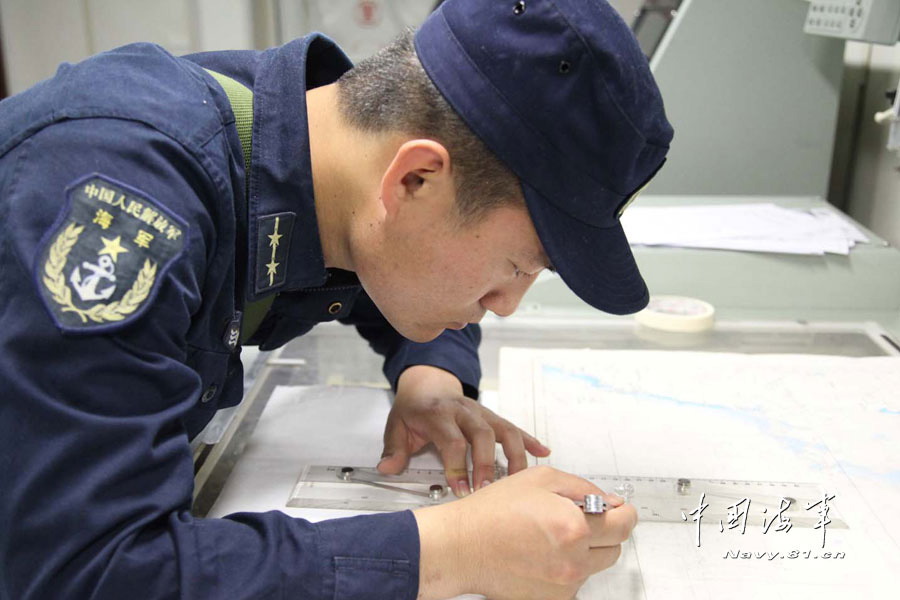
(796, 445)
(858, 470)
(595, 382)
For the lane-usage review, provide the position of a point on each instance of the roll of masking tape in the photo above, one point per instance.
(677, 313)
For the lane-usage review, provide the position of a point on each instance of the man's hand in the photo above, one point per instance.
(430, 407)
(521, 537)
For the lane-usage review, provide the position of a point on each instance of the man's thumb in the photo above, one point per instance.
(395, 456)
(391, 464)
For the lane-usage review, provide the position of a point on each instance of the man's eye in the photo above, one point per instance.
(518, 272)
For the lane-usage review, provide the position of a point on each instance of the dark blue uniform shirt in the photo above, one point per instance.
(128, 250)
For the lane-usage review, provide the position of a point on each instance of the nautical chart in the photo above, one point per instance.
(828, 422)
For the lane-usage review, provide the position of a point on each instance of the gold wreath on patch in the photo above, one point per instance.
(112, 311)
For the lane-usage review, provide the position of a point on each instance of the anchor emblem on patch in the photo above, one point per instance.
(87, 287)
(105, 258)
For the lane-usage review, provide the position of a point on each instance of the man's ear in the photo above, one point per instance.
(420, 171)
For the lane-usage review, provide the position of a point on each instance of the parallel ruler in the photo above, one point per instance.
(664, 499)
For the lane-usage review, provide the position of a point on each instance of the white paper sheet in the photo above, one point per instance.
(319, 425)
(827, 420)
(745, 227)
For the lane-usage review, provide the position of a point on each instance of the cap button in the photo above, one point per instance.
(519, 8)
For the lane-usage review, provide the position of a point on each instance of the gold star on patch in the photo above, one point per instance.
(112, 247)
(272, 268)
(274, 237)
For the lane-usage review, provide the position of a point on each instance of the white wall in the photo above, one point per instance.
(873, 196)
(360, 33)
(627, 8)
(39, 34)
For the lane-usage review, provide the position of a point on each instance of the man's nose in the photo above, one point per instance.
(504, 300)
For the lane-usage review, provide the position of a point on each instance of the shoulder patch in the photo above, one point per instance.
(101, 263)
(273, 241)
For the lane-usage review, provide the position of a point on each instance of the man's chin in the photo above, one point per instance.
(421, 335)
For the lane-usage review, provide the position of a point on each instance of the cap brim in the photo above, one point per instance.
(595, 262)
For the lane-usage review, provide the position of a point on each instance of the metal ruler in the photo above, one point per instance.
(663, 499)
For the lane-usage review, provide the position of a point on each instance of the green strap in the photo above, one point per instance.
(241, 99)
(254, 313)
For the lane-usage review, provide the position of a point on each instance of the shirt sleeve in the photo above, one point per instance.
(455, 351)
(97, 467)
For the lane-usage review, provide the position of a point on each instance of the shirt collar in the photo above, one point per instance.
(284, 249)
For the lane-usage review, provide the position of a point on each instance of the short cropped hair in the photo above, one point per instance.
(391, 92)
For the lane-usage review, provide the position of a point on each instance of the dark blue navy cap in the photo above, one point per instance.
(560, 91)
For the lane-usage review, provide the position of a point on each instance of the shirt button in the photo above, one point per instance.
(209, 394)
(335, 308)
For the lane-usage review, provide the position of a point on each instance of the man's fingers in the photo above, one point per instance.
(510, 437)
(565, 484)
(394, 464)
(514, 440)
(603, 558)
(481, 437)
(534, 447)
(452, 446)
(395, 456)
(612, 527)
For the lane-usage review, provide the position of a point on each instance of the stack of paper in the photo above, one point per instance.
(748, 227)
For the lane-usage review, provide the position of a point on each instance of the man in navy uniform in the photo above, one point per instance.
(406, 196)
